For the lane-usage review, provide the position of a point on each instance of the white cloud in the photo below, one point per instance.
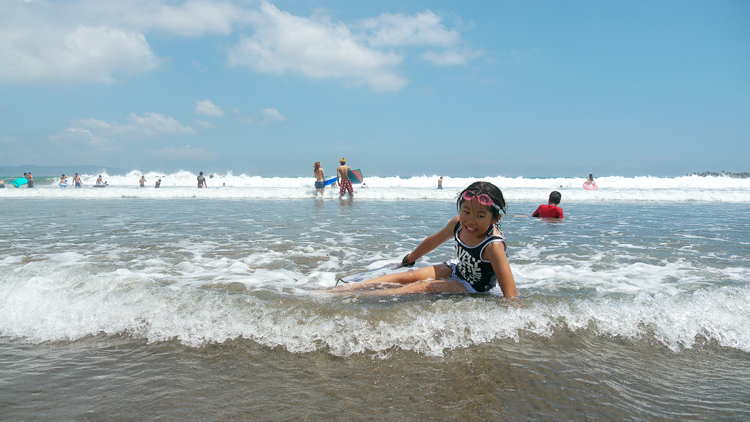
(421, 29)
(93, 40)
(83, 53)
(184, 153)
(106, 136)
(150, 125)
(191, 18)
(207, 108)
(100, 41)
(80, 137)
(272, 115)
(445, 58)
(207, 125)
(317, 49)
(155, 124)
(267, 116)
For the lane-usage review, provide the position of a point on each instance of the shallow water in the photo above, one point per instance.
(568, 377)
(215, 309)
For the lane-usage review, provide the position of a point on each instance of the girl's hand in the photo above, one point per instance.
(405, 262)
(429, 244)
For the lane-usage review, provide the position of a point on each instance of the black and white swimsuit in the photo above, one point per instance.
(469, 267)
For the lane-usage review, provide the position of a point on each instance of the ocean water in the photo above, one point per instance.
(128, 303)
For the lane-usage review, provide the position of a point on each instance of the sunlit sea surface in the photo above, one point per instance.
(178, 303)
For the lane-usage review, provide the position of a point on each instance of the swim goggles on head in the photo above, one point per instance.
(483, 199)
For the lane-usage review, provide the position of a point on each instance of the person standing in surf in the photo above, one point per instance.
(480, 263)
(201, 181)
(143, 181)
(320, 178)
(342, 177)
(30, 178)
(77, 180)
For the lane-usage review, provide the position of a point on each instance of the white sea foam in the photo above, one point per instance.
(183, 184)
(202, 301)
(204, 272)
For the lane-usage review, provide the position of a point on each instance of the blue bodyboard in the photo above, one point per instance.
(20, 181)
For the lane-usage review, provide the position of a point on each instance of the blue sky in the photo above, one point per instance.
(456, 88)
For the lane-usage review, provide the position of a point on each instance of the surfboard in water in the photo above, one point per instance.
(20, 181)
(355, 176)
(369, 274)
(330, 181)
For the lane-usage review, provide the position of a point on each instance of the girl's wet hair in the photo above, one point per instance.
(487, 188)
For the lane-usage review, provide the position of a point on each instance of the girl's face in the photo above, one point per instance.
(476, 218)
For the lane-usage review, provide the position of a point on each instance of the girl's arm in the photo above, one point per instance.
(428, 245)
(496, 254)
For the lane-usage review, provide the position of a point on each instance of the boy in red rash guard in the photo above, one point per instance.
(550, 210)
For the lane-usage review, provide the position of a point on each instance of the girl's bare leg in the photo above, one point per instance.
(427, 286)
(427, 273)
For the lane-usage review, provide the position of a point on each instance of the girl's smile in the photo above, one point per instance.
(476, 220)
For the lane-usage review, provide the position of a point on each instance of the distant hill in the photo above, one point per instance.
(18, 171)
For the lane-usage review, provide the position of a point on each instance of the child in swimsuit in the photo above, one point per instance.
(480, 262)
(320, 179)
